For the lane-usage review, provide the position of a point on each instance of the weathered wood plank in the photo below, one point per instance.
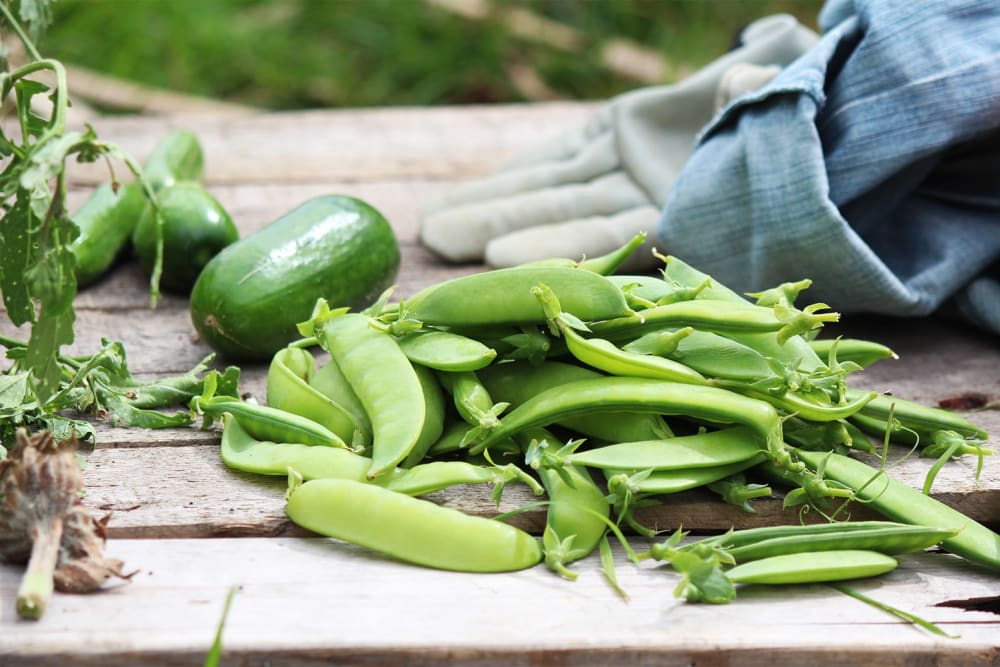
(310, 601)
(348, 145)
(186, 491)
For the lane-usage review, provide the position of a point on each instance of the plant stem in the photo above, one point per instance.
(29, 46)
(36, 585)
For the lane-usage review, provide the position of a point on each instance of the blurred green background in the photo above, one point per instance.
(284, 54)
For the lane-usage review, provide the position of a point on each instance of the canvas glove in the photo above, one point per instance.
(591, 190)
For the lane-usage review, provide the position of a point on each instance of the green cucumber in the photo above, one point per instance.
(176, 157)
(250, 297)
(195, 228)
(106, 221)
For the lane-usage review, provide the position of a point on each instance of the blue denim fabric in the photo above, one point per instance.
(871, 165)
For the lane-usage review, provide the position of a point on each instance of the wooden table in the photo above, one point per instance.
(195, 529)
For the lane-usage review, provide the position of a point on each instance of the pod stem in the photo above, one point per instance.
(37, 583)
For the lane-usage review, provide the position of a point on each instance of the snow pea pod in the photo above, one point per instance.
(474, 403)
(718, 316)
(795, 350)
(330, 382)
(862, 352)
(664, 482)
(503, 296)
(646, 395)
(516, 383)
(901, 502)
(916, 415)
(606, 356)
(803, 406)
(706, 352)
(573, 521)
(239, 450)
(242, 451)
(434, 408)
(813, 567)
(410, 529)
(446, 351)
(709, 449)
(288, 389)
(605, 264)
(748, 536)
(267, 423)
(895, 538)
(371, 361)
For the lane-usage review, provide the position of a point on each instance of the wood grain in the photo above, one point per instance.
(316, 601)
(195, 528)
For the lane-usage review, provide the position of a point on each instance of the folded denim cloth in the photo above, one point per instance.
(871, 164)
(590, 190)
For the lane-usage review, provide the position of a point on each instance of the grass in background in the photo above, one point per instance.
(283, 54)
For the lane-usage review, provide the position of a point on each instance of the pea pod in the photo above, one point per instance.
(648, 292)
(663, 482)
(901, 502)
(371, 361)
(240, 451)
(575, 519)
(474, 404)
(409, 529)
(287, 389)
(606, 356)
(434, 408)
(890, 539)
(330, 381)
(446, 351)
(705, 352)
(813, 567)
(264, 422)
(516, 383)
(748, 536)
(604, 265)
(862, 352)
(709, 449)
(503, 296)
(801, 405)
(916, 415)
(645, 395)
(795, 350)
(718, 316)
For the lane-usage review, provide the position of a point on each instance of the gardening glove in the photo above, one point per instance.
(593, 189)
(870, 165)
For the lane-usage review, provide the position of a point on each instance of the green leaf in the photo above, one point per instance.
(53, 329)
(13, 390)
(16, 256)
(122, 413)
(36, 15)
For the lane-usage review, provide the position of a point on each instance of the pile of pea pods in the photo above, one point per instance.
(603, 393)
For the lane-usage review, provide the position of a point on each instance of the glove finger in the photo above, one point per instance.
(592, 161)
(461, 233)
(576, 239)
(565, 146)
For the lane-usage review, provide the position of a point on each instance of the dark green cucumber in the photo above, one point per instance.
(106, 221)
(195, 228)
(250, 297)
(176, 157)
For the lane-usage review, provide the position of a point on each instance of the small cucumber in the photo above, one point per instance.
(195, 228)
(106, 221)
(176, 157)
(249, 298)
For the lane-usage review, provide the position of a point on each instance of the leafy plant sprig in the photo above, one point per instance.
(37, 263)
